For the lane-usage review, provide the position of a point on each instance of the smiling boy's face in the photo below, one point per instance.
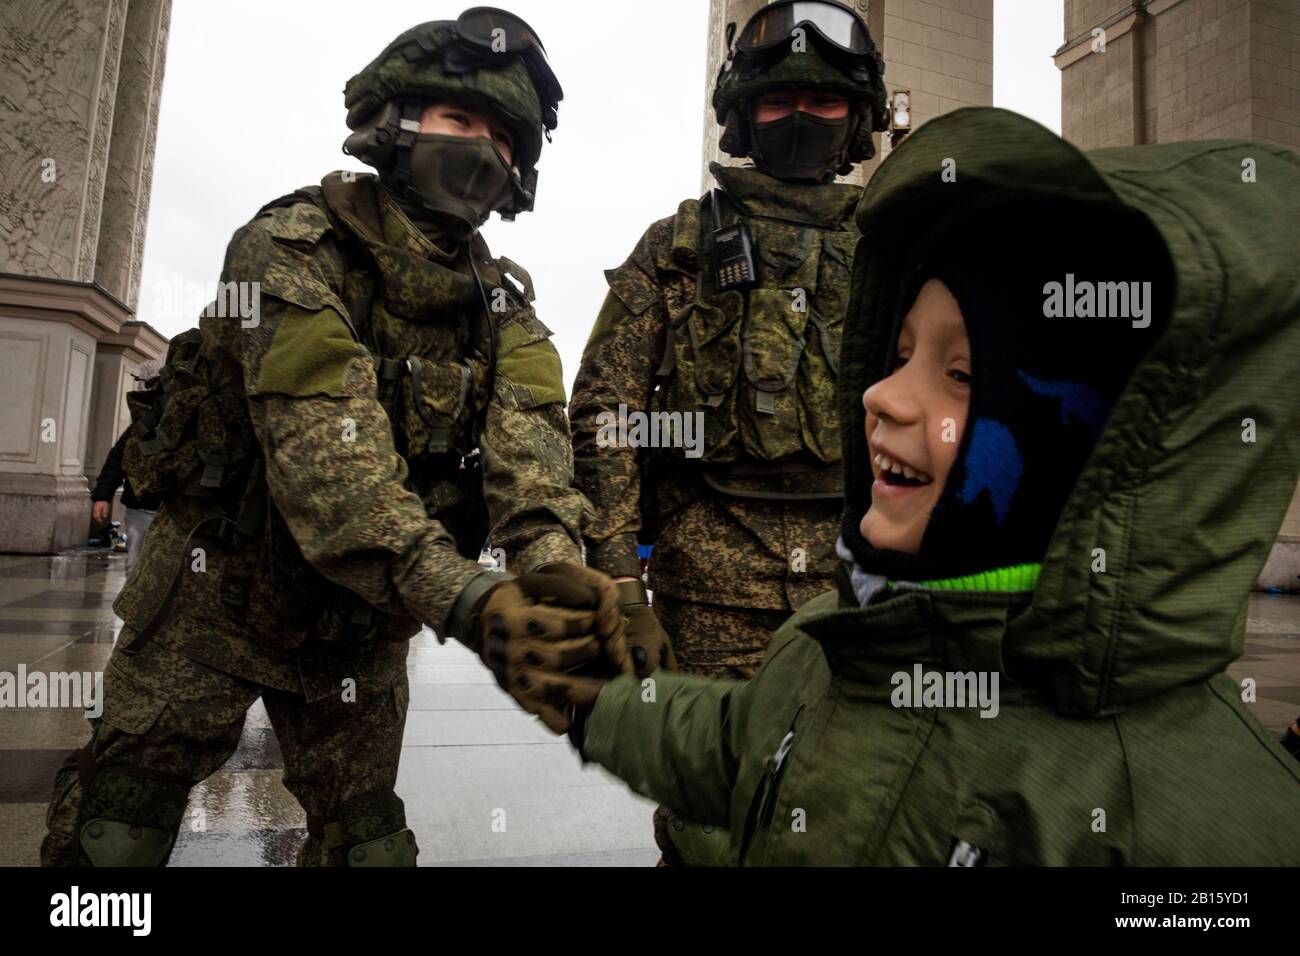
(915, 419)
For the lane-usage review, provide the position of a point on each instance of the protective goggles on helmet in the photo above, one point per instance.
(485, 34)
(837, 31)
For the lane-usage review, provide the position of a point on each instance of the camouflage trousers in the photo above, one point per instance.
(716, 641)
(169, 722)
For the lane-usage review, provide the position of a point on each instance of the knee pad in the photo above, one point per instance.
(369, 830)
(130, 820)
(114, 843)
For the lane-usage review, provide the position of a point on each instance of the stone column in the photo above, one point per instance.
(1174, 70)
(130, 156)
(48, 335)
(79, 91)
(941, 50)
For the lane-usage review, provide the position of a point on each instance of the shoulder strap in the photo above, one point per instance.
(688, 236)
(306, 194)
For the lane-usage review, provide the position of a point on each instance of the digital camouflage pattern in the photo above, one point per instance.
(354, 470)
(745, 533)
(1113, 691)
(361, 380)
(739, 530)
(695, 628)
(178, 721)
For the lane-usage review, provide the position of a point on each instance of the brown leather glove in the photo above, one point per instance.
(577, 586)
(648, 643)
(560, 700)
(535, 630)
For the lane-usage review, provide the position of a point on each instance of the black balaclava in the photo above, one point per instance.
(1042, 387)
(800, 146)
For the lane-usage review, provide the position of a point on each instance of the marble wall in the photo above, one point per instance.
(80, 83)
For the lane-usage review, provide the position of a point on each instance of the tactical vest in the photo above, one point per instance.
(426, 327)
(761, 364)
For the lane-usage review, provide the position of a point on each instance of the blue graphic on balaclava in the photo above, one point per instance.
(1079, 402)
(993, 464)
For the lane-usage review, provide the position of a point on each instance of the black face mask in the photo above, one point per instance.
(800, 146)
(465, 178)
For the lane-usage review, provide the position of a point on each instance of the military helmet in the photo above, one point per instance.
(817, 44)
(487, 59)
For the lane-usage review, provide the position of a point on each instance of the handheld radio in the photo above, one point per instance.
(731, 250)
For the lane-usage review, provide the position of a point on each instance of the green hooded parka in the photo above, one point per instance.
(1117, 737)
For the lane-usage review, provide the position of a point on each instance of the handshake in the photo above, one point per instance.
(555, 636)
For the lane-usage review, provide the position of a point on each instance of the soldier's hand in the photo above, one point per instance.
(538, 629)
(517, 631)
(579, 587)
(558, 699)
(648, 643)
(575, 586)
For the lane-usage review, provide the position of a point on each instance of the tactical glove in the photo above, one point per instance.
(648, 643)
(537, 629)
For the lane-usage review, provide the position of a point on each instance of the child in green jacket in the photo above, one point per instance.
(1070, 435)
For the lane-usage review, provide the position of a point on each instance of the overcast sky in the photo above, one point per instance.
(252, 108)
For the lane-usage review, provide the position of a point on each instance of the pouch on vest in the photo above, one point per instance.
(435, 405)
(187, 437)
(764, 367)
(703, 359)
(778, 418)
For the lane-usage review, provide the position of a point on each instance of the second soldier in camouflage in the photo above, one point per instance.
(743, 528)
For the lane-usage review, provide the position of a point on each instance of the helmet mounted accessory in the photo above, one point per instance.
(850, 64)
(486, 34)
(838, 32)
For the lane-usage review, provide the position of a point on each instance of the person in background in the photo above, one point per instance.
(140, 511)
(743, 525)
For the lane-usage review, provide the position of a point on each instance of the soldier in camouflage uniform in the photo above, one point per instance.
(338, 456)
(744, 533)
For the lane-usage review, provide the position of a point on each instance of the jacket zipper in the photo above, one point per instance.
(763, 806)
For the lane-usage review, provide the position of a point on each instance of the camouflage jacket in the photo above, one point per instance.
(750, 517)
(365, 372)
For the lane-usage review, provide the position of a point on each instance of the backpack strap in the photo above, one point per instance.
(310, 194)
(215, 523)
